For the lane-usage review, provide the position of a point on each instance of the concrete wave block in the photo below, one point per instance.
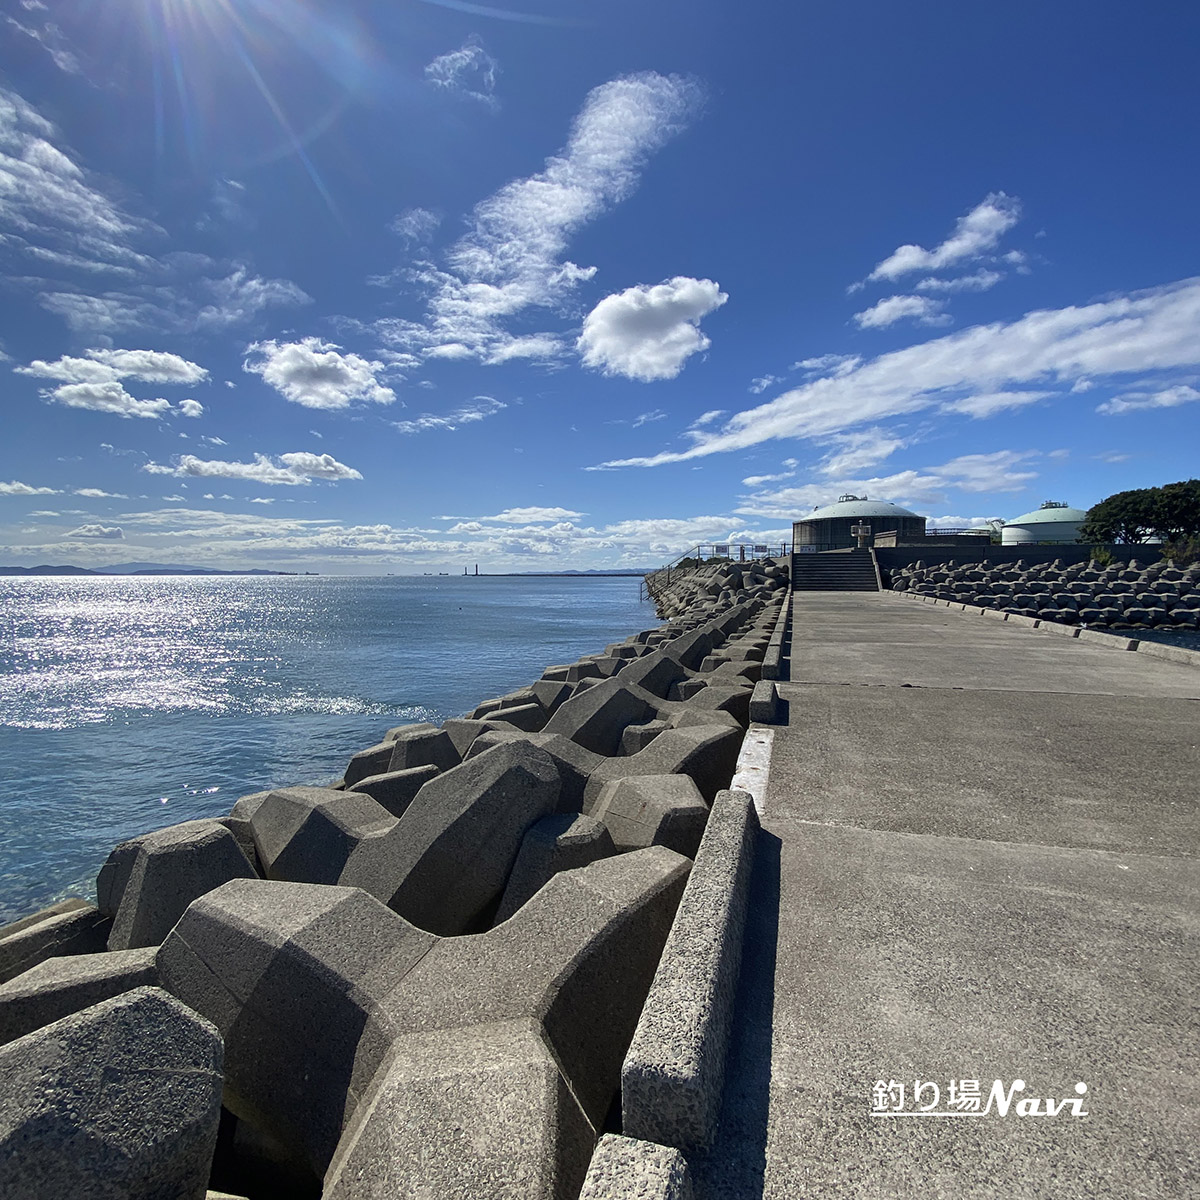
(446, 861)
(173, 867)
(707, 753)
(307, 834)
(653, 810)
(574, 763)
(656, 672)
(374, 760)
(422, 745)
(596, 719)
(69, 927)
(578, 957)
(122, 1099)
(531, 718)
(288, 973)
(674, 1073)
(320, 993)
(562, 842)
(59, 987)
(470, 1113)
(394, 790)
(550, 694)
(638, 737)
(623, 1168)
(462, 732)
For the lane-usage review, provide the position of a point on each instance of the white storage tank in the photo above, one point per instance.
(1053, 522)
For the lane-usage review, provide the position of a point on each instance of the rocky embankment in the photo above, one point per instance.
(423, 981)
(1125, 595)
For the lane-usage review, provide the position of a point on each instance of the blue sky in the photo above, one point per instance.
(363, 287)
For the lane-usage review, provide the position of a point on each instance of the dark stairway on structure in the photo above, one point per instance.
(834, 571)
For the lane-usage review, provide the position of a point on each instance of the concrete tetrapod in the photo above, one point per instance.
(653, 810)
(59, 987)
(395, 1062)
(120, 1100)
(446, 861)
(170, 868)
(69, 927)
(307, 834)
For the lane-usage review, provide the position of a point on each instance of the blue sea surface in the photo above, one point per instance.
(129, 703)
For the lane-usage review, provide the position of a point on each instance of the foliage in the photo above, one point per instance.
(1103, 557)
(1182, 550)
(1168, 512)
(687, 563)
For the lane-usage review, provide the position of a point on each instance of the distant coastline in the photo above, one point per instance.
(123, 569)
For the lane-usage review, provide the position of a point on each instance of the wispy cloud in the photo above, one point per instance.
(998, 471)
(101, 366)
(512, 259)
(1144, 331)
(477, 410)
(980, 281)
(974, 234)
(1170, 397)
(470, 72)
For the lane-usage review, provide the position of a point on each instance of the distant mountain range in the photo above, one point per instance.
(134, 568)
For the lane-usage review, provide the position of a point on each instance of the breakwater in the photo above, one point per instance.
(1120, 595)
(424, 979)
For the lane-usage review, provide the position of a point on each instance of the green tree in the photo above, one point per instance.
(1178, 512)
(1123, 517)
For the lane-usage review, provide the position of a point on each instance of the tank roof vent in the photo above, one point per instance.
(1055, 504)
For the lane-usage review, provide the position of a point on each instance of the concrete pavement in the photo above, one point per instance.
(978, 863)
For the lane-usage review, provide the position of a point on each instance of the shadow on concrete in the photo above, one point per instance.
(736, 1164)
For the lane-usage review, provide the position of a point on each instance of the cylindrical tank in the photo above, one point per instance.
(1053, 522)
(829, 528)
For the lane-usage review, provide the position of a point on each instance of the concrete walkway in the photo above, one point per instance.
(978, 862)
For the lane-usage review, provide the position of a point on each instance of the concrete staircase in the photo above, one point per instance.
(834, 571)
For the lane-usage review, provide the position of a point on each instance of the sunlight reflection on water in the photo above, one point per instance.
(117, 694)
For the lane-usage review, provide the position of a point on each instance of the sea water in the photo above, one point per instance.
(130, 703)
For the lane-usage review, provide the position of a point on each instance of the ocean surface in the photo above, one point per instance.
(127, 704)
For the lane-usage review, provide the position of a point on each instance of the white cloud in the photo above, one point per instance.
(981, 281)
(1144, 331)
(531, 516)
(149, 366)
(99, 494)
(974, 234)
(887, 312)
(860, 451)
(760, 385)
(477, 410)
(468, 71)
(1170, 397)
(645, 418)
(108, 397)
(987, 404)
(48, 35)
(415, 226)
(216, 441)
(106, 533)
(290, 470)
(754, 481)
(17, 488)
(836, 364)
(191, 408)
(647, 332)
(707, 418)
(511, 259)
(316, 374)
(999, 471)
